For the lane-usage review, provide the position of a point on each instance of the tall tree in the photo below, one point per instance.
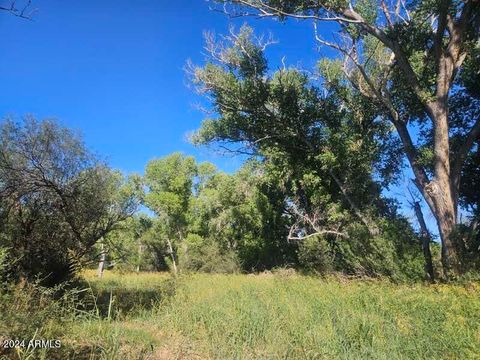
(412, 60)
(322, 154)
(170, 184)
(286, 119)
(244, 214)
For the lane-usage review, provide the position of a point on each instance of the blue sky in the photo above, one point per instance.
(114, 71)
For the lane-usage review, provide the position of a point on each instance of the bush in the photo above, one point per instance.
(314, 255)
(198, 254)
(4, 265)
(468, 240)
(394, 253)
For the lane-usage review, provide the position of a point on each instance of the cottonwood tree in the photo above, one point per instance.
(321, 155)
(241, 213)
(418, 63)
(282, 116)
(207, 220)
(56, 199)
(169, 184)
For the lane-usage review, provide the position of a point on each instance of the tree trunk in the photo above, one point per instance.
(440, 195)
(101, 263)
(426, 240)
(172, 255)
(140, 252)
(446, 226)
(443, 195)
(441, 199)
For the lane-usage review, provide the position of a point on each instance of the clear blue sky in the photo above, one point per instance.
(114, 71)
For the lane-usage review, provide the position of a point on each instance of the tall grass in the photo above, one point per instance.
(269, 316)
(265, 317)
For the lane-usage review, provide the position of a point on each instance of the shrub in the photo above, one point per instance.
(203, 255)
(314, 255)
(395, 253)
(4, 265)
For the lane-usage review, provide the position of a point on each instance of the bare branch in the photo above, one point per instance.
(309, 225)
(345, 16)
(322, 232)
(24, 12)
(386, 13)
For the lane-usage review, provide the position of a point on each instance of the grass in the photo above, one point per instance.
(274, 316)
(307, 318)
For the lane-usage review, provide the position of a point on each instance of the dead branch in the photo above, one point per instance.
(24, 12)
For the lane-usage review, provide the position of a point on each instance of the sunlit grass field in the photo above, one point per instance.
(276, 316)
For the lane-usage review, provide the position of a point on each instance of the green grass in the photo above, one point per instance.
(275, 316)
(306, 318)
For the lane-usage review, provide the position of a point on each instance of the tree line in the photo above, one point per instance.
(62, 208)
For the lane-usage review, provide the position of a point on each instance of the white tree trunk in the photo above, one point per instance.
(101, 263)
(172, 255)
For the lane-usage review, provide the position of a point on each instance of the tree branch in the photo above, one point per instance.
(372, 228)
(330, 232)
(461, 154)
(347, 15)
(23, 13)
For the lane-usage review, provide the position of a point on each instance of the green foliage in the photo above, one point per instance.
(380, 255)
(200, 255)
(468, 238)
(321, 154)
(57, 199)
(315, 256)
(391, 254)
(235, 216)
(239, 213)
(470, 75)
(170, 182)
(289, 118)
(127, 246)
(470, 181)
(4, 265)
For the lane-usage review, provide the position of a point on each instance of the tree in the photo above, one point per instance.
(57, 199)
(127, 247)
(244, 214)
(170, 185)
(413, 60)
(284, 116)
(322, 159)
(211, 221)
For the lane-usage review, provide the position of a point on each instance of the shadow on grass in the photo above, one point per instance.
(115, 301)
